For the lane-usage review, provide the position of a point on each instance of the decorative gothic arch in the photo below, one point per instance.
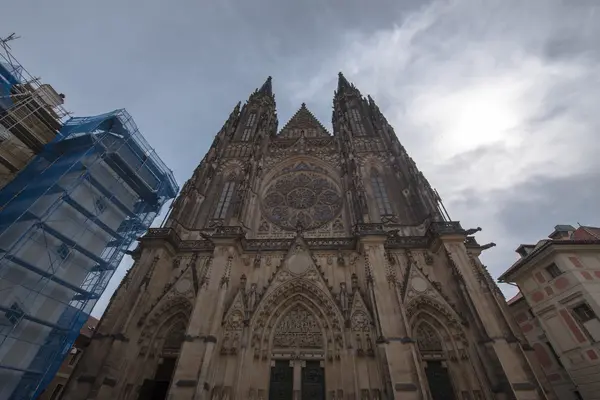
(443, 348)
(442, 313)
(311, 298)
(174, 336)
(429, 340)
(171, 312)
(298, 326)
(169, 317)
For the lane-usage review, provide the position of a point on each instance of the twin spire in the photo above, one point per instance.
(303, 117)
(343, 86)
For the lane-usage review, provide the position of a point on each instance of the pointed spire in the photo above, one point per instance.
(342, 82)
(345, 87)
(236, 111)
(267, 87)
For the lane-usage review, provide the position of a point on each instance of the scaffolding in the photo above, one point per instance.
(66, 221)
(31, 114)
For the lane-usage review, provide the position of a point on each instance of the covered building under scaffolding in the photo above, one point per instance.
(31, 115)
(66, 222)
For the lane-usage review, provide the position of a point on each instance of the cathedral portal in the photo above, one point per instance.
(300, 264)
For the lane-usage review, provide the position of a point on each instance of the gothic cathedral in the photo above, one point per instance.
(300, 264)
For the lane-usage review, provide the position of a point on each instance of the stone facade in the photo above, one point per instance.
(305, 265)
(558, 307)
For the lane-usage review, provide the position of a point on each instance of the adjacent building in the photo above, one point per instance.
(558, 307)
(72, 202)
(302, 264)
(54, 390)
(31, 114)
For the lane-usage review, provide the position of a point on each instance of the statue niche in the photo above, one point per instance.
(298, 328)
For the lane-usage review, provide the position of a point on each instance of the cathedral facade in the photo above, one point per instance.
(299, 264)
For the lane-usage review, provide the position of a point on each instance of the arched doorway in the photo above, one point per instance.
(429, 343)
(297, 349)
(157, 388)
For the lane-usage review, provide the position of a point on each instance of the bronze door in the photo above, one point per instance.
(439, 381)
(281, 386)
(313, 381)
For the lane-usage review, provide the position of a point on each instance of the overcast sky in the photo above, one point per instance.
(497, 101)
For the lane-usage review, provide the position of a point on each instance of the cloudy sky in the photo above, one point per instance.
(496, 100)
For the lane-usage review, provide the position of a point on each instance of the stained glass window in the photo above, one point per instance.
(302, 195)
(380, 193)
(360, 130)
(249, 126)
(224, 200)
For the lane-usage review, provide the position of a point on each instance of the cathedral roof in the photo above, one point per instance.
(306, 121)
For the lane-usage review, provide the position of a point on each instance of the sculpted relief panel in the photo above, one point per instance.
(298, 329)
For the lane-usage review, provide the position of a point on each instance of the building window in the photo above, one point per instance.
(584, 313)
(381, 197)
(553, 270)
(63, 251)
(224, 200)
(249, 126)
(56, 392)
(14, 314)
(100, 206)
(360, 130)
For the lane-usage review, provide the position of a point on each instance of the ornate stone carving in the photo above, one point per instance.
(428, 339)
(303, 195)
(298, 329)
(360, 322)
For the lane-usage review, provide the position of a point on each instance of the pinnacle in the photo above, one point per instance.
(342, 83)
(267, 87)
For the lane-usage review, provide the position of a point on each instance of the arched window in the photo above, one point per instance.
(360, 130)
(380, 193)
(224, 199)
(249, 127)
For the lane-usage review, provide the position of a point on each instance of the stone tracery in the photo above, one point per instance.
(288, 296)
(428, 339)
(302, 194)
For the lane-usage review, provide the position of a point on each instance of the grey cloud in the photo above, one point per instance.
(564, 200)
(180, 68)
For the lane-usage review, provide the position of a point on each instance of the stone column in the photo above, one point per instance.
(397, 355)
(200, 339)
(211, 339)
(297, 365)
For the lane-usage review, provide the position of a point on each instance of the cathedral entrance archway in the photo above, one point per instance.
(297, 337)
(158, 387)
(432, 353)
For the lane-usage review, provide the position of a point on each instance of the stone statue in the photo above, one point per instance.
(344, 299)
(253, 296)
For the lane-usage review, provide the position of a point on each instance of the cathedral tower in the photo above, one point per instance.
(301, 264)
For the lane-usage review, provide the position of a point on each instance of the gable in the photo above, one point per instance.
(303, 124)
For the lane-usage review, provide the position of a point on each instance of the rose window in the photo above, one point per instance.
(302, 197)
